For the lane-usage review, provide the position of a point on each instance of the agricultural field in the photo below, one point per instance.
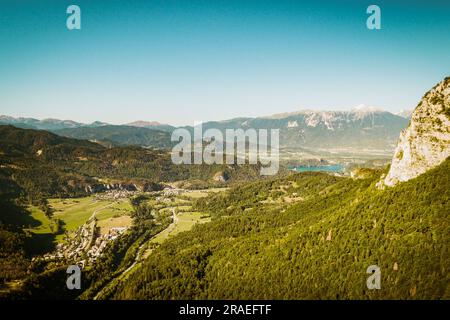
(43, 223)
(180, 206)
(73, 213)
(184, 221)
(183, 215)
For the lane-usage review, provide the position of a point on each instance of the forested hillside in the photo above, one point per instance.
(70, 164)
(120, 135)
(310, 236)
(301, 236)
(36, 165)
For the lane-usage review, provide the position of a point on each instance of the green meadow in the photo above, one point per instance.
(73, 213)
(185, 222)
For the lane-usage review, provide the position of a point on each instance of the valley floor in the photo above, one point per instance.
(107, 213)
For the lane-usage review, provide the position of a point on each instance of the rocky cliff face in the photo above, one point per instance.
(425, 143)
(96, 188)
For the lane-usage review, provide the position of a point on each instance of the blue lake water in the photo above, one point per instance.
(327, 168)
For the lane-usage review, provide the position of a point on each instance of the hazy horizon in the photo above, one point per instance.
(190, 124)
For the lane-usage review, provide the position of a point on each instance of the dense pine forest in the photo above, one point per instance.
(224, 158)
(70, 164)
(293, 236)
(36, 165)
(310, 236)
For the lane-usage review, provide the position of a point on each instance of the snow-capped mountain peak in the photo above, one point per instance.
(365, 108)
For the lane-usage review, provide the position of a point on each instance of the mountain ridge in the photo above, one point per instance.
(360, 128)
(119, 135)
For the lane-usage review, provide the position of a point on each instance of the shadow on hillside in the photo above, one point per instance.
(39, 244)
(15, 215)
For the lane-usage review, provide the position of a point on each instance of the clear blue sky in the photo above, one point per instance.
(180, 61)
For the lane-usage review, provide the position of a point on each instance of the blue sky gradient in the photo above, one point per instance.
(180, 61)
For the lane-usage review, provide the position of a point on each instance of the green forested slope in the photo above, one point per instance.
(120, 135)
(43, 164)
(318, 247)
(36, 165)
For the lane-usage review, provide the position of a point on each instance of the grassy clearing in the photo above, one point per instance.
(106, 224)
(203, 193)
(44, 222)
(185, 221)
(185, 218)
(75, 212)
(116, 210)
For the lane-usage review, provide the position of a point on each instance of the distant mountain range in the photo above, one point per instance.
(56, 124)
(362, 127)
(139, 133)
(110, 135)
(46, 124)
(151, 125)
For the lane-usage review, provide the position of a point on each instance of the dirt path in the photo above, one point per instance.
(100, 209)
